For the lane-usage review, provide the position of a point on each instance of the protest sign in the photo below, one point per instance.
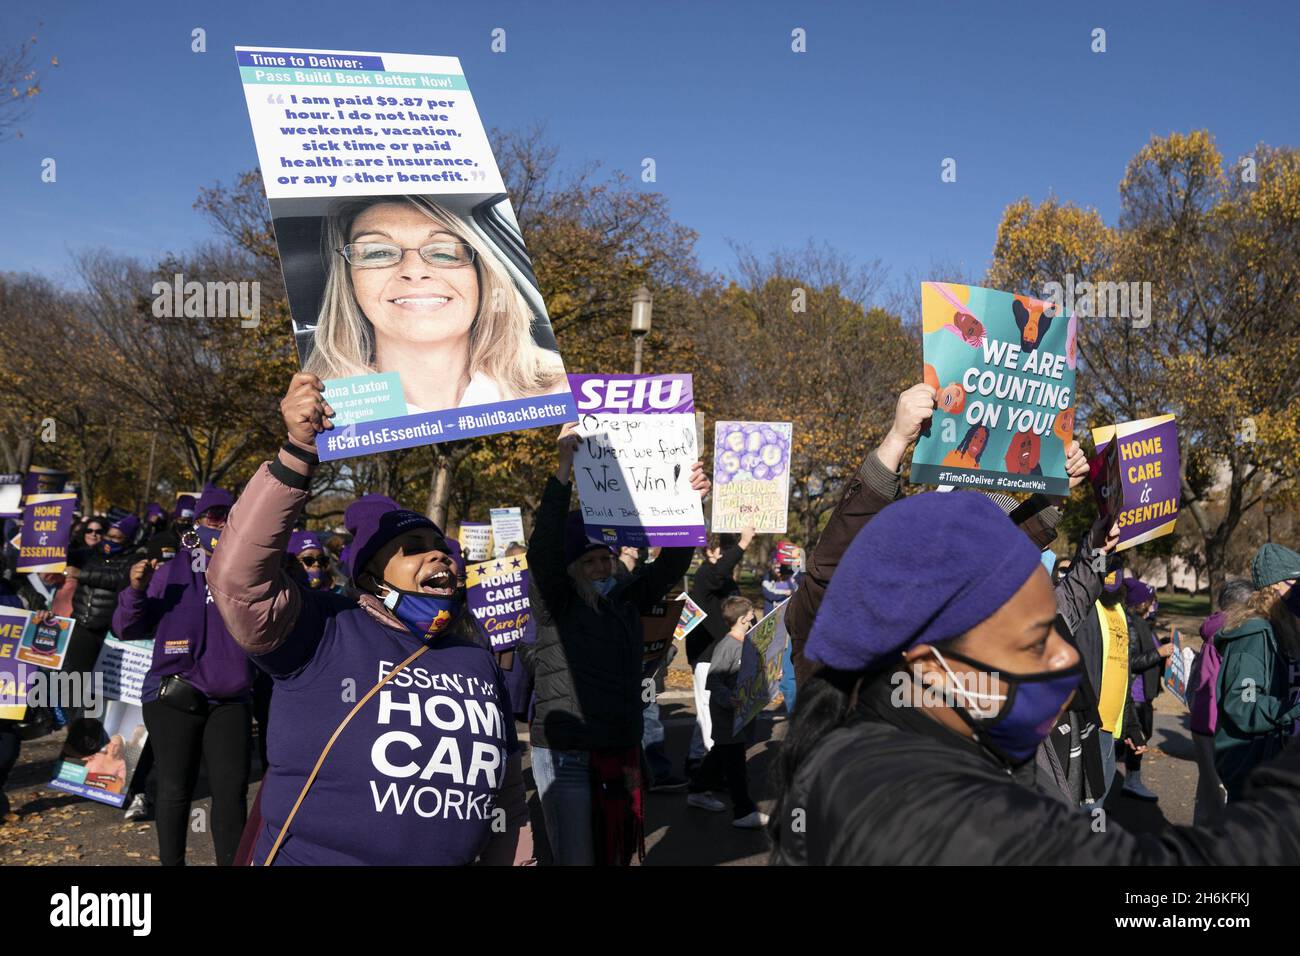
(45, 644)
(410, 290)
(124, 665)
(507, 529)
(787, 552)
(46, 530)
(11, 496)
(101, 754)
(759, 677)
(496, 593)
(692, 615)
(633, 465)
(659, 629)
(13, 672)
(1178, 667)
(475, 540)
(1003, 366)
(1145, 457)
(751, 476)
(43, 481)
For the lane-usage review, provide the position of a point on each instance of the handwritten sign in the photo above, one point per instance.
(760, 666)
(496, 592)
(1004, 367)
(751, 476)
(1148, 469)
(633, 466)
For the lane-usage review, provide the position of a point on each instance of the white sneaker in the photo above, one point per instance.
(705, 802)
(752, 821)
(1134, 787)
(139, 808)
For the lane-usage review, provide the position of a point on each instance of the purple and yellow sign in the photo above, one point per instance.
(497, 595)
(47, 528)
(1149, 470)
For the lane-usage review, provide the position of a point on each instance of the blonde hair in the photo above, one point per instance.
(500, 338)
(1268, 604)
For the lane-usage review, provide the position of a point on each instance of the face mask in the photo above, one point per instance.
(114, 547)
(425, 615)
(604, 586)
(1032, 703)
(1292, 599)
(315, 577)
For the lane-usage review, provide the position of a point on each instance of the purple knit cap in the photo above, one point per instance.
(184, 507)
(376, 528)
(154, 510)
(576, 542)
(301, 541)
(128, 525)
(894, 589)
(365, 509)
(1138, 593)
(214, 497)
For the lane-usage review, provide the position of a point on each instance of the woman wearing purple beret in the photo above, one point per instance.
(914, 741)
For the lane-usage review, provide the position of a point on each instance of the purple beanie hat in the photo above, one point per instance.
(576, 542)
(365, 508)
(154, 510)
(376, 528)
(128, 525)
(301, 541)
(213, 497)
(1138, 593)
(184, 507)
(891, 592)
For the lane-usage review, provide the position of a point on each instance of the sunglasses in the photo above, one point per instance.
(98, 531)
(310, 562)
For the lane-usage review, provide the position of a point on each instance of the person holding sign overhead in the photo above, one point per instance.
(411, 289)
(587, 662)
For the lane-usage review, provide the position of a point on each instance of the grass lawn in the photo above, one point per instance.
(1190, 605)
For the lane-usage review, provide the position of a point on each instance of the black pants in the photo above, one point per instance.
(10, 745)
(223, 739)
(1146, 719)
(725, 763)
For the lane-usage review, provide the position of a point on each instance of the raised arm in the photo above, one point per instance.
(877, 483)
(546, 546)
(258, 601)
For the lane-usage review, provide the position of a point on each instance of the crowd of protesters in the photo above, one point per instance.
(953, 692)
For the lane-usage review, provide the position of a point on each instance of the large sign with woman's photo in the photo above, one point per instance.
(412, 295)
(1003, 367)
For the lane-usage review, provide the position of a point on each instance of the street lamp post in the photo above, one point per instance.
(642, 304)
(1268, 519)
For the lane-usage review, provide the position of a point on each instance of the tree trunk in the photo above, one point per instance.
(1213, 565)
(440, 483)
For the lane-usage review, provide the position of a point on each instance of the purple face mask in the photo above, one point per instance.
(1032, 704)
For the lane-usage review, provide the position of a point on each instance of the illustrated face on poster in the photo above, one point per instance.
(1143, 467)
(411, 295)
(751, 476)
(633, 465)
(1001, 365)
(45, 644)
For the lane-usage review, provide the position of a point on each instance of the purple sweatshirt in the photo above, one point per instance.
(424, 771)
(190, 638)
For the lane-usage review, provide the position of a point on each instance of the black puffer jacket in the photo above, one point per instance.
(99, 579)
(587, 662)
(893, 786)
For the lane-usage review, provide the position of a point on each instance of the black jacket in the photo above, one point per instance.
(99, 579)
(712, 584)
(895, 787)
(587, 662)
(1144, 657)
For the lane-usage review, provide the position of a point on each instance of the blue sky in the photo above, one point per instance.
(753, 143)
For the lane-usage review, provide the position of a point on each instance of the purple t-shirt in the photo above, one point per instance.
(413, 779)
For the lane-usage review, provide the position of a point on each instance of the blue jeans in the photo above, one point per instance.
(787, 678)
(563, 779)
(652, 743)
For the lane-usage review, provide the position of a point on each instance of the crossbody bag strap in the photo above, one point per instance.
(302, 795)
